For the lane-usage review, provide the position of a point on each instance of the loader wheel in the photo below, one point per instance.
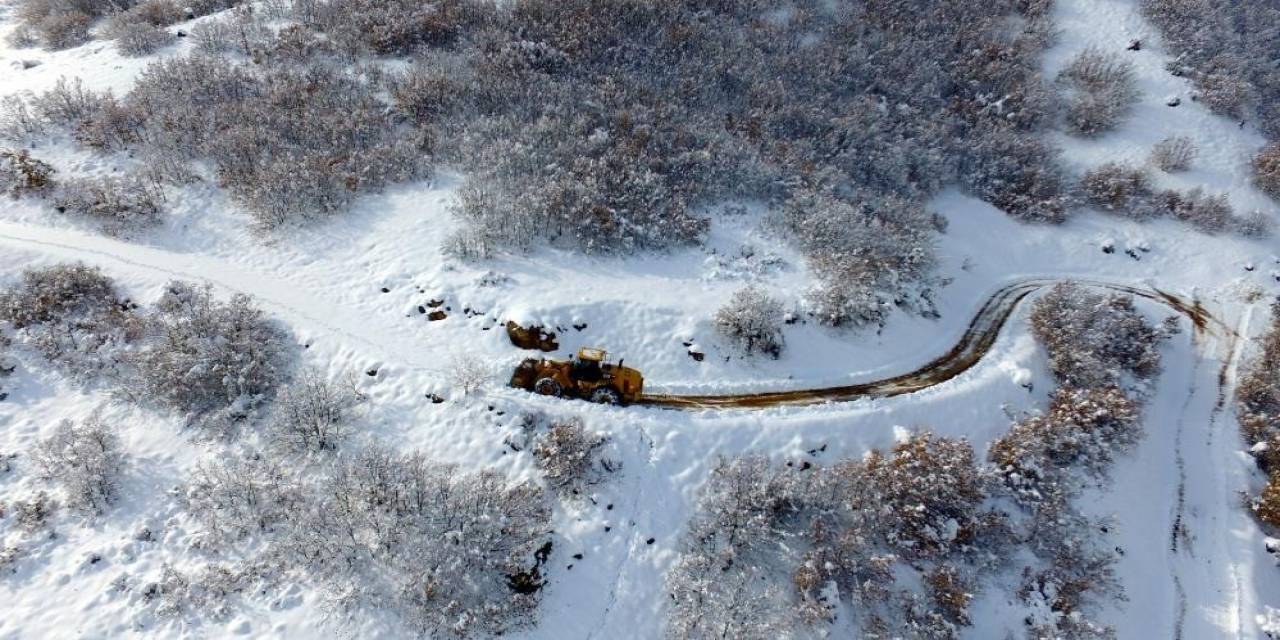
(547, 387)
(605, 395)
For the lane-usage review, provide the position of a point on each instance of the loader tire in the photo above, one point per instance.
(547, 387)
(606, 395)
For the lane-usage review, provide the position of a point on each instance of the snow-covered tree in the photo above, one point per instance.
(752, 321)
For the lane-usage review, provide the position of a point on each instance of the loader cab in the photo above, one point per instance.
(588, 365)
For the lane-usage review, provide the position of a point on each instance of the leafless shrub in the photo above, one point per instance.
(86, 460)
(1208, 213)
(1103, 90)
(1266, 170)
(1174, 153)
(69, 102)
(208, 591)
(64, 30)
(18, 121)
(54, 294)
(120, 205)
(1083, 429)
(1255, 224)
(313, 414)
(1119, 189)
(22, 175)
(766, 541)
(1093, 339)
(752, 321)
(242, 496)
(218, 360)
(450, 553)
(469, 373)
(33, 514)
(240, 33)
(570, 457)
(140, 39)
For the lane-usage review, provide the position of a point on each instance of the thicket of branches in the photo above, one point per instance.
(1258, 407)
(1228, 49)
(73, 315)
(609, 128)
(752, 322)
(775, 547)
(135, 26)
(1101, 90)
(449, 553)
(86, 460)
(1127, 191)
(1098, 345)
(216, 361)
(1095, 339)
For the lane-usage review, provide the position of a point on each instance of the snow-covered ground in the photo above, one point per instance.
(1206, 576)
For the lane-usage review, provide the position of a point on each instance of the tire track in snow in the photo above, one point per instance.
(229, 277)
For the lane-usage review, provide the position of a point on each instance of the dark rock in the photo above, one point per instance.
(577, 556)
(434, 303)
(422, 309)
(435, 398)
(1173, 102)
(650, 541)
(1134, 45)
(437, 315)
(697, 356)
(372, 373)
(385, 290)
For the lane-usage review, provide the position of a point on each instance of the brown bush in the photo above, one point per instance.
(21, 174)
(1118, 188)
(1268, 506)
(1266, 170)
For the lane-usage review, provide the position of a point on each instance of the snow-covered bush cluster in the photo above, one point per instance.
(571, 457)
(1258, 407)
(447, 552)
(774, 547)
(752, 321)
(118, 204)
(72, 315)
(21, 174)
(1127, 191)
(1174, 153)
(1266, 169)
(1098, 346)
(871, 255)
(136, 26)
(1095, 339)
(290, 141)
(217, 361)
(1101, 92)
(1119, 189)
(1227, 51)
(86, 460)
(313, 414)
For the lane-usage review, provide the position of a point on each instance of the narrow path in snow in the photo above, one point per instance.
(973, 345)
(290, 300)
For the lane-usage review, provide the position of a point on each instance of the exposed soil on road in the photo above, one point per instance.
(973, 345)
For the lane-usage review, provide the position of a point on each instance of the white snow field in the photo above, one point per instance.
(1194, 564)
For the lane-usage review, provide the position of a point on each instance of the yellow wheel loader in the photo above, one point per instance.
(586, 376)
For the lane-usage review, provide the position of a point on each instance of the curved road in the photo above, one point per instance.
(977, 340)
(289, 299)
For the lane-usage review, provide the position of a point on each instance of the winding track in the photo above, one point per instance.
(973, 345)
(288, 299)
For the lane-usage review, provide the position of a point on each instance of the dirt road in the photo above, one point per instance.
(973, 345)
